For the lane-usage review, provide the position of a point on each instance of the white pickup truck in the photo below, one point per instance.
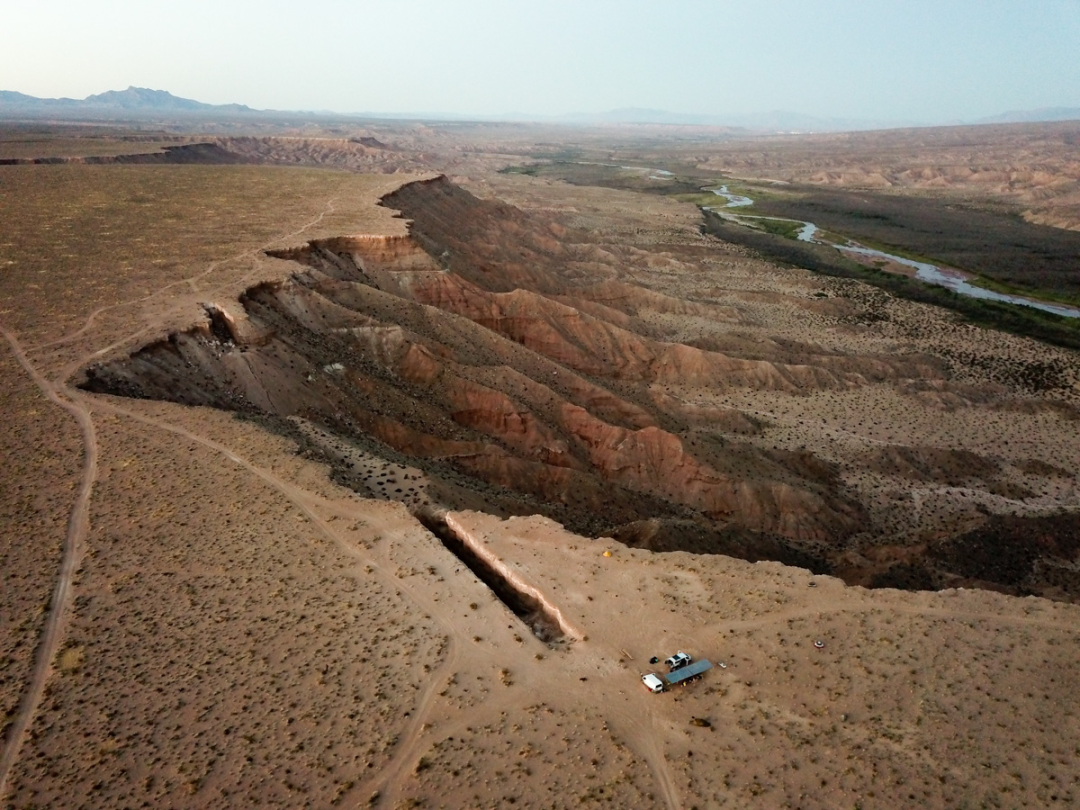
(677, 661)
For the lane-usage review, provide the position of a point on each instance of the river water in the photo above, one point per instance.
(955, 280)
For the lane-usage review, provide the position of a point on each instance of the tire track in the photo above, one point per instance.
(79, 519)
(388, 782)
(307, 503)
(643, 734)
(74, 543)
(192, 281)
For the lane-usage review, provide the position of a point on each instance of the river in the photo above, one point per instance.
(955, 280)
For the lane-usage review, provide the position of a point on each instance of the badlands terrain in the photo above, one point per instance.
(344, 470)
(1030, 167)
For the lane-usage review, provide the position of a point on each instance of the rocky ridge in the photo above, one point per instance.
(514, 367)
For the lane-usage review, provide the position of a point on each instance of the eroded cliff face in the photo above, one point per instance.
(504, 365)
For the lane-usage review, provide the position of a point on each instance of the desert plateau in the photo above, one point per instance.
(372, 464)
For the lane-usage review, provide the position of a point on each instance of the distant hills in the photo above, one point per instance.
(141, 102)
(1033, 116)
(773, 121)
(787, 121)
(132, 100)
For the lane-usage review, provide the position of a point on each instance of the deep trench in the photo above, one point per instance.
(527, 609)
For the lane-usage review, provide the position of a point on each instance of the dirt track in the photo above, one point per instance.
(74, 543)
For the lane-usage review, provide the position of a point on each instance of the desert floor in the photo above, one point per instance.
(194, 615)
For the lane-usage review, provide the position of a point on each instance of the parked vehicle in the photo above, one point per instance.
(684, 674)
(677, 661)
(652, 683)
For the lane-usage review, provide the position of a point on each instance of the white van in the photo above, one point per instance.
(652, 683)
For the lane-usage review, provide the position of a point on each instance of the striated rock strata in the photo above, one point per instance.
(480, 352)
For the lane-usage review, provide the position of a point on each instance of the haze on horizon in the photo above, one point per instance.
(913, 61)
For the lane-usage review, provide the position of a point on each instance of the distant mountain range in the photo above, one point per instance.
(140, 101)
(132, 100)
(787, 121)
(1032, 116)
(773, 121)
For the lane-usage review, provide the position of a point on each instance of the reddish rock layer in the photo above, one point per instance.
(503, 353)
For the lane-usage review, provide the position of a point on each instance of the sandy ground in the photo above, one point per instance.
(34, 142)
(240, 631)
(911, 700)
(42, 460)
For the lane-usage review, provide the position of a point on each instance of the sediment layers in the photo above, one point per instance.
(517, 366)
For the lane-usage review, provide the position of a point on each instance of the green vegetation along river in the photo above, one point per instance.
(955, 280)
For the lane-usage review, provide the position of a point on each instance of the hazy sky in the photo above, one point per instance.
(910, 60)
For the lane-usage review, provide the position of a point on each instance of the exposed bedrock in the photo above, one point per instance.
(498, 362)
(467, 401)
